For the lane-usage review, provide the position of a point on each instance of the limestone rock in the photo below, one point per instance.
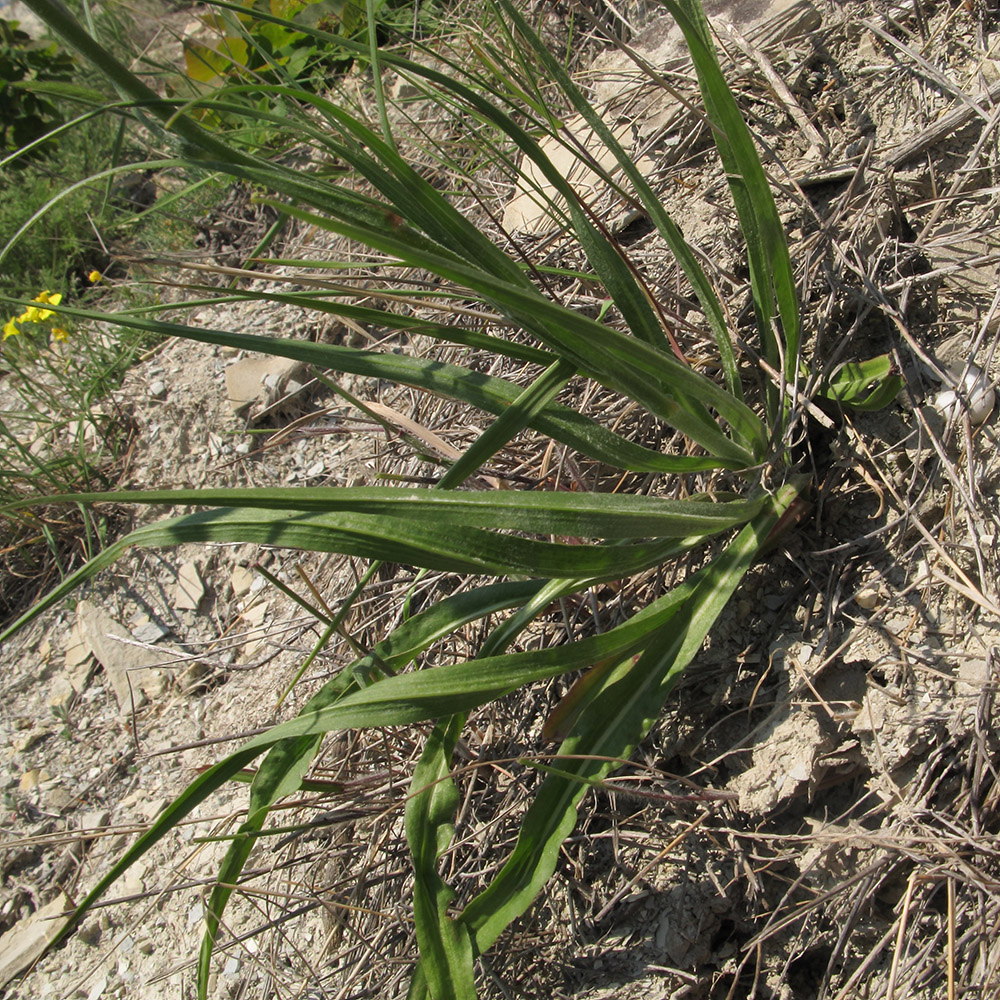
(531, 209)
(189, 589)
(258, 383)
(134, 671)
(786, 764)
(241, 580)
(27, 940)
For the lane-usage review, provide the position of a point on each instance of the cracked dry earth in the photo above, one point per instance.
(815, 816)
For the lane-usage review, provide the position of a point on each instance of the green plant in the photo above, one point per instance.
(629, 669)
(55, 438)
(26, 113)
(255, 50)
(281, 48)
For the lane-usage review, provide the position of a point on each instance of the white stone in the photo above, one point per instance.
(132, 670)
(241, 580)
(27, 940)
(252, 381)
(189, 589)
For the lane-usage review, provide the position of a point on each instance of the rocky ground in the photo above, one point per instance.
(816, 815)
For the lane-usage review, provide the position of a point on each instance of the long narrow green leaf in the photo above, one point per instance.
(771, 275)
(431, 911)
(430, 813)
(427, 208)
(491, 394)
(449, 547)
(619, 713)
(620, 283)
(581, 515)
(386, 320)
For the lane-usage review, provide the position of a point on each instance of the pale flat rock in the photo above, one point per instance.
(77, 650)
(28, 21)
(241, 581)
(79, 661)
(149, 631)
(61, 694)
(133, 670)
(252, 622)
(531, 209)
(27, 940)
(93, 822)
(258, 383)
(24, 742)
(29, 780)
(189, 589)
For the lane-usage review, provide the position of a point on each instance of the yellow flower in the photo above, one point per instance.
(58, 333)
(48, 299)
(35, 315)
(94, 277)
(10, 330)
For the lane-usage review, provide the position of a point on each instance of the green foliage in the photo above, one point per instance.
(253, 50)
(56, 437)
(25, 113)
(864, 385)
(632, 667)
(256, 49)
(58, 219)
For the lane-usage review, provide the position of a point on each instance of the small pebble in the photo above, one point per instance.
(158, 389)
(867, 598)
(149, 632)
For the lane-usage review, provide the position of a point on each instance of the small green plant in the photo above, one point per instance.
(26, 64)
(255, 50)
(731, 432)
(295, 42)
(55, 437)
